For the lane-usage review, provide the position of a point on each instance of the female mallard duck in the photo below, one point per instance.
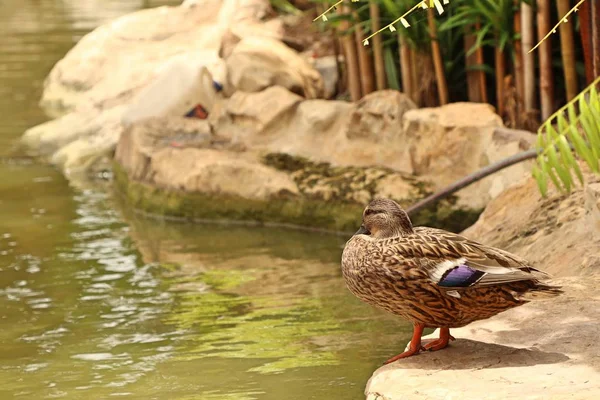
(432, 277)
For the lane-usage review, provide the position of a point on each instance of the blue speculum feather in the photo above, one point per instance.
(460, 276)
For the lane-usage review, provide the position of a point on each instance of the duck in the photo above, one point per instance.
(434, 278)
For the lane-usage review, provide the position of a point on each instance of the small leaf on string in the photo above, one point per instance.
(365, 42)
(424, 5)
(392, 28)
(324, 17)
(404, 22)
(438, 6)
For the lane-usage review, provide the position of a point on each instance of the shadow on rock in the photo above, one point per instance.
(471, 354)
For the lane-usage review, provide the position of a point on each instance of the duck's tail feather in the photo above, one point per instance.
(540, 291)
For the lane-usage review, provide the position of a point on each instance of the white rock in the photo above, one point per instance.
(257, 63)
(178, 88)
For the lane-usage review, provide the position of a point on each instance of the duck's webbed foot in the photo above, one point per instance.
(415, 345)
(440, 343)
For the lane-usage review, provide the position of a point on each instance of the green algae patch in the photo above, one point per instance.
(320, 180)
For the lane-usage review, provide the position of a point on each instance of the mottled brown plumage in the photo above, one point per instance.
(432, 277)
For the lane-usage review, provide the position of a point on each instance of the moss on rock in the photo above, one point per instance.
(199, 206)
(331, 198)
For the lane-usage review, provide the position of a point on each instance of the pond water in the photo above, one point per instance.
(96, 301)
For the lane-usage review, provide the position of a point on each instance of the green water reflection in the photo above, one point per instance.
(96, 301)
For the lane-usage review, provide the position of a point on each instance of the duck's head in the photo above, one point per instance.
(384, 218)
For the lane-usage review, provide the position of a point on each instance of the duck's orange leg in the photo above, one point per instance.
(415, 345)
(440, 343)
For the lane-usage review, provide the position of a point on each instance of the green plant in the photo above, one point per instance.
(574, 130)
(285, 6)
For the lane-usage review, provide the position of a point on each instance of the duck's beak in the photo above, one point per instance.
(362, 231)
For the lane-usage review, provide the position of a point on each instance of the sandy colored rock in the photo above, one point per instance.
(108, 65)
(89, 90)
(254, 118)
(257, 63)
(279, 121)
(151, 152)
(384, 129)
(377, 117)
(179, 167)
(542, 350)
(75, 141)
(559, 234)
(449, 142)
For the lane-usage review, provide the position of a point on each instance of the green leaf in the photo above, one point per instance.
(391, 71)
(582, 148)
(548, 171)
(562, 173)
(541, 179)
(567, 157)
(589, 127)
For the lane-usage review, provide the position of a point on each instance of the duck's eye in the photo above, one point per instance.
(370, 212)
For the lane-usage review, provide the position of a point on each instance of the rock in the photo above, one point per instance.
(450, 142)
(110, 64)
(177, 167)
(542, 350)
(250, 117)
(257, 63)
(90, 89)
(146, 153)
(592, 207)
(73, 142)
(175, 91)
(279, 121)
(328, 68)
(377, 117)
(558, 234)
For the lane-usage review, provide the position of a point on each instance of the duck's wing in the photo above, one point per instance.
(453, 261)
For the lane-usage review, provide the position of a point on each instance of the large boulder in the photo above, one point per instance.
(110, 64)
(384, 129)
(179, 168)
(559, 234)
(447, 143)
(152, 152)
(119, 72)
(368, 133)
(257, 63)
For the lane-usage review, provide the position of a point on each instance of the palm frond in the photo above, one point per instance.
(571, 132)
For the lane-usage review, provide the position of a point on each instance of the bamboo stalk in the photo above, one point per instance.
(545, 50)
(416, 93)
(405, 66)
(480, 61)
(500, 66)
(353, 77)
(365, 61)
(567, 47)
(528, 61)
(585, 31)
(438, 64)
(595, 22)
(519, 72)
(377, 46)
(473, 81)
